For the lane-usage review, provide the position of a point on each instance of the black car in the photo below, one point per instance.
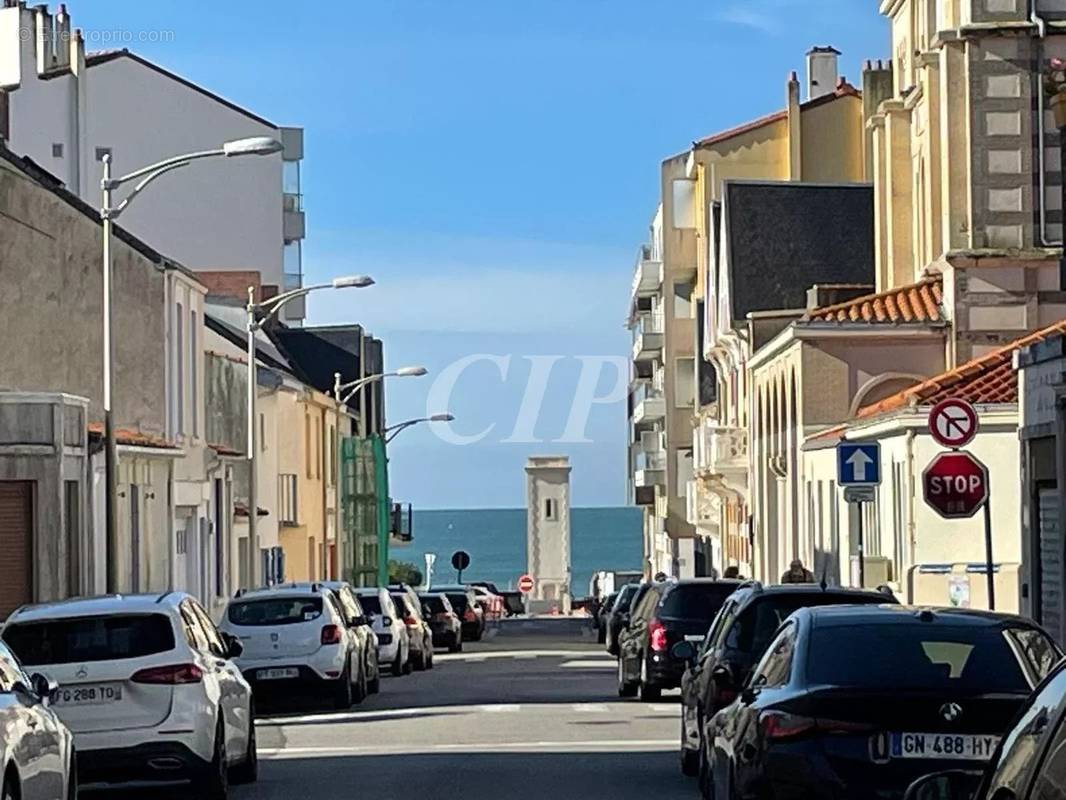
(735, 642)
(464, 603)
(443, 621)
(602, 614)
(668, 613)
(618, 617)
(854, 703)
(1030, 763)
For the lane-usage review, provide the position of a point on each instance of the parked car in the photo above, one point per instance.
(394, 648)
(871, 698)
(736, 640)
(419, 635)
(618, 617)
(514, 603)
(359, 622)
(443, 621)
(149, 689)
(602, 616)
(37, 759)
(465, 604)
(489, 599)
(297, 637)
(1029, 764)
(668, 613)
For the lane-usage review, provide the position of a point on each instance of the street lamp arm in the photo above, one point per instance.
(164, 166)
(115, 212)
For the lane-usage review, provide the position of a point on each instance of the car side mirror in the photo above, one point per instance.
(952, 785)
(44, 687)
(684, 651)
(234, 646)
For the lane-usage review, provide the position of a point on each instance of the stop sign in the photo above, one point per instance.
(525, 584)
(955, 484)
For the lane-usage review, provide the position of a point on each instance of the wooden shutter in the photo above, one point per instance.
(16, 537)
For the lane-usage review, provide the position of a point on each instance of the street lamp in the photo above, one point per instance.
(342, 399)
(394, 431)
(258, 315)
(254, 146)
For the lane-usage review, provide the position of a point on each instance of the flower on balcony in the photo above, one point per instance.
(1055, 76)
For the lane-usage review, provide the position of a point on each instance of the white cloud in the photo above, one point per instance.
(761, 19)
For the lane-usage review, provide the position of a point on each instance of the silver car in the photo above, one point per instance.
(36, 749)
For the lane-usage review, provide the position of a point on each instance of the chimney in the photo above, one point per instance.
(795, 129)
(62, 24)
(45, 39)
(822, 71)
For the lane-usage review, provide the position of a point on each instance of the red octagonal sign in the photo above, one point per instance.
(955, 484)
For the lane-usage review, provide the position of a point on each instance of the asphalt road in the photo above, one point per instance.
(529, 713)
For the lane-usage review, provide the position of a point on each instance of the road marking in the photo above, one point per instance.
(593, 708)
(588, 664)
(526, 657)
(662, 708)
(590, 746)
(482, 655)
(500, 708)
(386, 714)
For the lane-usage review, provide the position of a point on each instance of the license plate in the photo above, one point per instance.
(99, 694)
(277, 674)
(694, 638)
(943, 746)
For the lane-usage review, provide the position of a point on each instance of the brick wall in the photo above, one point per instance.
(235, 284)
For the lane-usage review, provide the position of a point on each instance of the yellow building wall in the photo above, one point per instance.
(833, 142)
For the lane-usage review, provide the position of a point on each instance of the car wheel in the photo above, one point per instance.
(456, 644)
(397, 663)
(706, 781)
(408, 665)
(342, 692)
(373, 686)
(624, 689)
(601, 635)
(248, 770)
(11, 787)
(214, 782)
(419, 661)
(429, 655)
(72, 777)
(359, 691)
(648, 692)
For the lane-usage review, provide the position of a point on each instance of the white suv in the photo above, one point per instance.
(297, 637)
(394, 647)
(147, 688)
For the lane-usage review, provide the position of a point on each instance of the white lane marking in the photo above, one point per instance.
(500, 708)
(481, 655)
(590, 708)
(472, 747)
(662, 708)
(606, 665)
(526, 657)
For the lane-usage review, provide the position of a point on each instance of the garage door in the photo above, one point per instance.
(16, 525)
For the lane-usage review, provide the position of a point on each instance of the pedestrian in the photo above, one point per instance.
(733, 574)
(660, 577)
(797, 573)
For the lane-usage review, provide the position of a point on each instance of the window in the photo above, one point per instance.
(195, 635)
(684, 382)
(307, 445)
(646, 605)
(318, 448)
(699, 602)
(776, 667)
(684, 471)
(194, 364)
(101, 152)
(57, 150)
(275, 611)
(683, 300)
(72, 515)
(287, 509)
(9, 671)
(684, 197)
(179, 370)
(551, 509)
(214, 638)
(87, 639)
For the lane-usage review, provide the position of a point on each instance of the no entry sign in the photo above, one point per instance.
(953, 422)
(525, 584)
(956, 485)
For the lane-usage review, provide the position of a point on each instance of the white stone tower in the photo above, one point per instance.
(548, 532)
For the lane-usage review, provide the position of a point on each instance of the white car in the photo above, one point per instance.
(36, 749)
(297, 637)
(394, 647)
(146, 686)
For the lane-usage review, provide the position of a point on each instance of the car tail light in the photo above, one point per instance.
(657, 636)
(331, 634)
(469, 615)
(172, 674)
(410, 622)
(781, 725)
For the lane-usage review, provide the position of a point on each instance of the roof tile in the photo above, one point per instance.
(917, 303)
(132, 438)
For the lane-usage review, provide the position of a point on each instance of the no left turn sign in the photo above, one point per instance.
(953, 423)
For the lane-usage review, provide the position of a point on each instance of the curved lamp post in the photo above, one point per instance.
(258, 315)
(394, 431)
(254, 146)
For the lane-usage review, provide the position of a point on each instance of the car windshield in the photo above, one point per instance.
(86, 639)
(756, 626)
(371, 603)
(698, 601)
(275, 611)
(458, 601)
(434, 604)
(920, 655)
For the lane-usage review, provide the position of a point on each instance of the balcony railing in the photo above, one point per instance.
(648, 277)
(648, 337)
(720, 449)
(649, 410)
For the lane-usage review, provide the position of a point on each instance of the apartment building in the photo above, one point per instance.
(66, 110)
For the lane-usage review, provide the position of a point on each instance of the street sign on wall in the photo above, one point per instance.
(859, 463)
(956, 485)
(953, 423)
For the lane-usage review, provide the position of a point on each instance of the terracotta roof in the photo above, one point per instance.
(132, 438)
(241, 510)
(919, 302)
(225, 450)
(987, 380)
(844, 89)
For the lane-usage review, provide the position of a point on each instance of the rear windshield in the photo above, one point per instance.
(275, 611)
(695, 601)
(371, 603)
(400, 601)
(755, 628)
(86, 639)
(458, 602)
(921, 655)
(622, 601)
(434, 604)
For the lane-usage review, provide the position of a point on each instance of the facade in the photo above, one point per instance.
(548, 532)
(65, 110)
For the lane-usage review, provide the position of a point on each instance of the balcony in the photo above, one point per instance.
(293, 225)
(649, 406)
(721, 457)
(648, 277)
(650, 471)
(703, 506)
(648, 337)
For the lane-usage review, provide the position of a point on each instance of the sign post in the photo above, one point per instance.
(956, 483)
(460, 561)
(859, 472)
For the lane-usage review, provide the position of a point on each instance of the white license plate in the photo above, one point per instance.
(943, 746)
(96, 695)
(694, 638)
(277, 674)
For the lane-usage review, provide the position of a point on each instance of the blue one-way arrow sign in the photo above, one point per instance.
(859, 463)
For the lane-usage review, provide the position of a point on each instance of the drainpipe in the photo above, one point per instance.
(1041, 31)
(911, 527)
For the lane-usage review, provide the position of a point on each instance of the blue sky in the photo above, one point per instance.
(493, 164)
